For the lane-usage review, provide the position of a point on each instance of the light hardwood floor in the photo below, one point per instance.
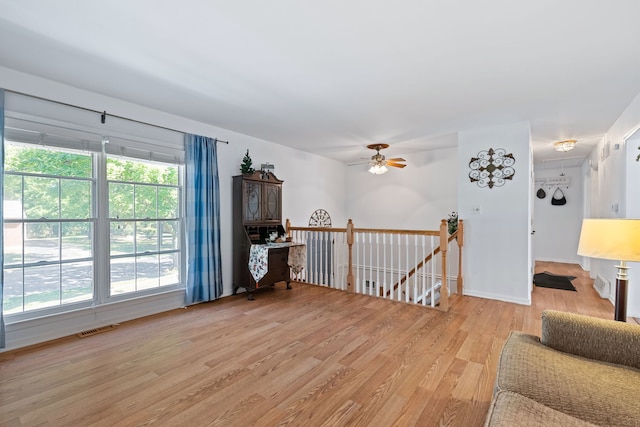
(308, 356)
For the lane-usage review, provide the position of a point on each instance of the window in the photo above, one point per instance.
(83, 226)
(48, 228)
(144, 225)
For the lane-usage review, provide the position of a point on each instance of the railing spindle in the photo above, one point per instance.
(398, 268)
(423, 281)
(433, 274)
(378, 284)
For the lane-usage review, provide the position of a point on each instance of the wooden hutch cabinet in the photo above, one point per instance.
(261, 201)
(257, 212)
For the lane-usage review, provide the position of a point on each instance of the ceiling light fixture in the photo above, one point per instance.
(566, 145)
(378, 169)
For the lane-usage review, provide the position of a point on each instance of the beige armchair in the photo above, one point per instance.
(582, 371)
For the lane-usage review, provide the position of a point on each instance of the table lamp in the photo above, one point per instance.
(616, 239)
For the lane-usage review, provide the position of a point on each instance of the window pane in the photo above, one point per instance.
(12, 197)
(169, 264)
(75, 199)
(138, 171)
(40, 197)
(42, 245)
(145, 202)
(41, 286)
(146, 236)
(76, 240)
(147, 272)
(77, 282)
(12, 291)
(42, 242)
(12, 244)
(169, 235)
(121, 239)
(120, 200)
(123, 276)
(167, 202)
(39, 160)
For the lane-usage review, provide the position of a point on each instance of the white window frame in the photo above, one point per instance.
(53, 309)
(181, 240)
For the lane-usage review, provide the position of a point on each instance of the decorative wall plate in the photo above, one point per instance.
(491, 168)
(320, 218)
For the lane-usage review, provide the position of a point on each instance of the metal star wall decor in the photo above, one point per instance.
(491, 168)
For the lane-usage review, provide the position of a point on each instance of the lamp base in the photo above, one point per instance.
(621, 300)
(621, 292)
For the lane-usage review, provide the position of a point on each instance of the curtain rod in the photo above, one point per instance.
(103, 114)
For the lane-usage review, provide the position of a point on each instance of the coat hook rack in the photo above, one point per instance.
(554, 182)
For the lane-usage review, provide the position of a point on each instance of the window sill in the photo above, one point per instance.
(22, 333)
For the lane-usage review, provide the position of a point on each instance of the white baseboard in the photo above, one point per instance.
(488, 295)
(564, 261)
(35, 331)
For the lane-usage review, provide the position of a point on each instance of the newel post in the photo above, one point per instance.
(287, 227)
(460, 284)
(350, 239)
(444, 244)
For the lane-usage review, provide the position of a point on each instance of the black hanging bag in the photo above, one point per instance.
(558, 198)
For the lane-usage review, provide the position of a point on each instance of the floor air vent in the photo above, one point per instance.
(96, 331)
(603, 286)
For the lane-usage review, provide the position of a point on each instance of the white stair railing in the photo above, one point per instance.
(411, 266)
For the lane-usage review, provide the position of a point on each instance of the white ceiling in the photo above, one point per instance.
(330, 76)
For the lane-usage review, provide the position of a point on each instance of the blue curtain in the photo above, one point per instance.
(202, 219)
(2, 342)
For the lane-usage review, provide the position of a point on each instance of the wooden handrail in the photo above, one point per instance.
(388, 231)
(365, 230)
(326, 229)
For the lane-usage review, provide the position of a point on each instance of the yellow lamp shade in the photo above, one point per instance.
(616, 239)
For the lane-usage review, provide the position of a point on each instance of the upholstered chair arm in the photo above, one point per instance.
(593, 338)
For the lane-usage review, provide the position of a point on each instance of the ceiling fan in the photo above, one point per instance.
(379, 163)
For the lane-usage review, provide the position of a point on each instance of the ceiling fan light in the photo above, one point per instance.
(565, 146)
(378, 169)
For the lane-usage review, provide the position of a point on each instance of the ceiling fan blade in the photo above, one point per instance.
(396, 165)
(397, 159)
(358, 163)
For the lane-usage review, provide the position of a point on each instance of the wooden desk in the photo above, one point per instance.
(270, 263)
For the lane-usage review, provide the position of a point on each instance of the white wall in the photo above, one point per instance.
(417, 197)
(497, 262)
(632, 206)
(558, 227)
(310, 182)
(616, 182)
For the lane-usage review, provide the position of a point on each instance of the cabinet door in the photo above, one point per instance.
(252, 201)
(272, 202)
